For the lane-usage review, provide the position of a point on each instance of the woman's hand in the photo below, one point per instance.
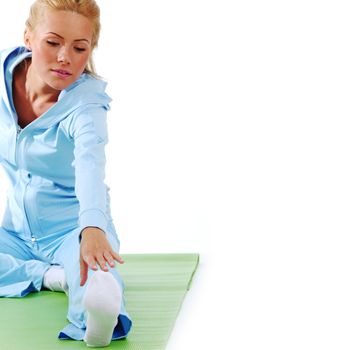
(95, 250)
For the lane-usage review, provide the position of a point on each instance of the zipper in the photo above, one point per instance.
(32, 237)
(29, 228)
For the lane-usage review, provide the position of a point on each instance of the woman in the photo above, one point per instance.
(57, 231)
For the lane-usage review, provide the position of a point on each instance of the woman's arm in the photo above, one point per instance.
(90, 137)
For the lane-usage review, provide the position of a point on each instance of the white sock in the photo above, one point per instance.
(102, 301)
(55, 279)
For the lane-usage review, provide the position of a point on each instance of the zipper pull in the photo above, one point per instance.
(19, 129)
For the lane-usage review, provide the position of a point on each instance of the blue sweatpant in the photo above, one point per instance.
(23, 264)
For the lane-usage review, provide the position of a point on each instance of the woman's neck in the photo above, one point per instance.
(31, 98)
(35, 89)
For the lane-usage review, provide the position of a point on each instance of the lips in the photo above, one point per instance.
(61, 73)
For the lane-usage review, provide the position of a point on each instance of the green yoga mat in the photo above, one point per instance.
(156, 285)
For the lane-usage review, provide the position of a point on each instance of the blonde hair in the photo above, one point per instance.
(86, 8)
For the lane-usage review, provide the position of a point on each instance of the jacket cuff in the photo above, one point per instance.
(94, 218)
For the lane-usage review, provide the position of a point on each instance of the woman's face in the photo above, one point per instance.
(61, 47)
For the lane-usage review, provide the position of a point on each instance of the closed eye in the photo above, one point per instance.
(79, 49)
(52, 43)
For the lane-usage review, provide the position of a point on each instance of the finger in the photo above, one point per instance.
(109, 258)
(117, 257)
(83, 272)
(91, 262)
(102, 262)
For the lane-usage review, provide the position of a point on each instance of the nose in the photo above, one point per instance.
(63, 56)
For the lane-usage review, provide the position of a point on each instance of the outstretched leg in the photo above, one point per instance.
(82, 311)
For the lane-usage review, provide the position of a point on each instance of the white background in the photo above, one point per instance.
(229, 136)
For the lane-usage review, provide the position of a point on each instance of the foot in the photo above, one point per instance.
(102, 302)
(55, 279)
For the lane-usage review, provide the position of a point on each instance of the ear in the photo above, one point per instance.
(27, 39)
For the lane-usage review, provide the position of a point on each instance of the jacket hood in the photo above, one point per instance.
(84, 91)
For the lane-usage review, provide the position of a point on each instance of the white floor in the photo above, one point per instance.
(196, 327)
(291, 297)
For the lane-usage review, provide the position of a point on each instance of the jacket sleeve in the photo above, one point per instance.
(89, 131)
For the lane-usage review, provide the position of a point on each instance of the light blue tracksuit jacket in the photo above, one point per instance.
(55, 166)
